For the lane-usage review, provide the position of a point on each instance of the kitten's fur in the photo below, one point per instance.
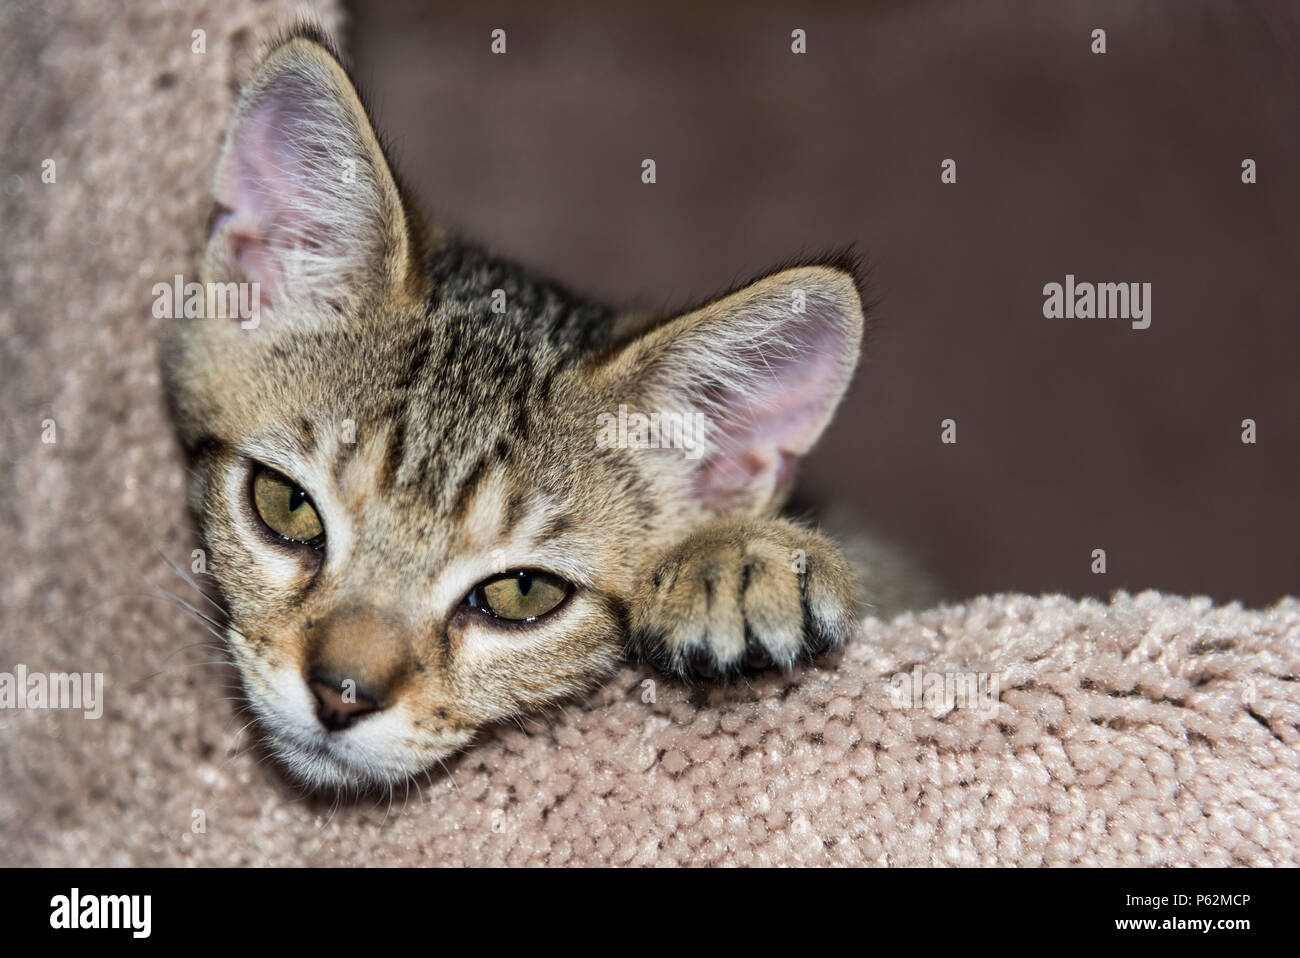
(442, 442)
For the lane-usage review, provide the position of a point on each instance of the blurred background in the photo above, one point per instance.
(1073, 435)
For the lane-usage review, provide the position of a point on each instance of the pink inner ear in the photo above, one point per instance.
(757, 433)
(244, 190)
(274, 193)
(257, 186)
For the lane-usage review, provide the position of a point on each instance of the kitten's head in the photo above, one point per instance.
(421, 475)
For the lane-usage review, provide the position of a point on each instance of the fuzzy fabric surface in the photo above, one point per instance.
(1151, 731)
(1148, 730)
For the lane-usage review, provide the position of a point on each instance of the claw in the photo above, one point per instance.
(756, 656)
(702, 664)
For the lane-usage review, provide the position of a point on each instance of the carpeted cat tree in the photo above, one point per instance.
(1150, 730)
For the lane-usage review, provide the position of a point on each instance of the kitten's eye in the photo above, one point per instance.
(520, 596)
(285, 508)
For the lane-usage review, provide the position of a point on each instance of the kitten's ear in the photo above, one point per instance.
(766, 366)
(307, 206)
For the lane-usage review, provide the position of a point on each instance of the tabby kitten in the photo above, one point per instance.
(416, 519)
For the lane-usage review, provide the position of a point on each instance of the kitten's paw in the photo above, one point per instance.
(742, 595)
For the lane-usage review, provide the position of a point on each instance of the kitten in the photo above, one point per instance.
(416, 507)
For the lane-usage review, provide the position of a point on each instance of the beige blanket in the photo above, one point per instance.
(1153, 730)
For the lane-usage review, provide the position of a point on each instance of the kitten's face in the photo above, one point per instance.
(398, 473)
(423, 486)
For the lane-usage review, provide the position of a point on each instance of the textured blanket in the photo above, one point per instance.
(1154, 729)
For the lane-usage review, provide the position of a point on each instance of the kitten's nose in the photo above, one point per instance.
(358, 661)
(338, 705)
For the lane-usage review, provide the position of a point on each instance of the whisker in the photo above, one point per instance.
(95, 605)
(177, 599)
(450, 777)
(333, 807)
(136, 686)
(177, 569)
(197, 645)
(245, 728)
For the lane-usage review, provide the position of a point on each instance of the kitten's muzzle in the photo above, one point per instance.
(358, 659)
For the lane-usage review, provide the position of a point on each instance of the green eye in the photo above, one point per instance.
(519, 596)
(285, 508)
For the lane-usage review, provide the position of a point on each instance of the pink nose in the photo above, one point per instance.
(338, 709)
